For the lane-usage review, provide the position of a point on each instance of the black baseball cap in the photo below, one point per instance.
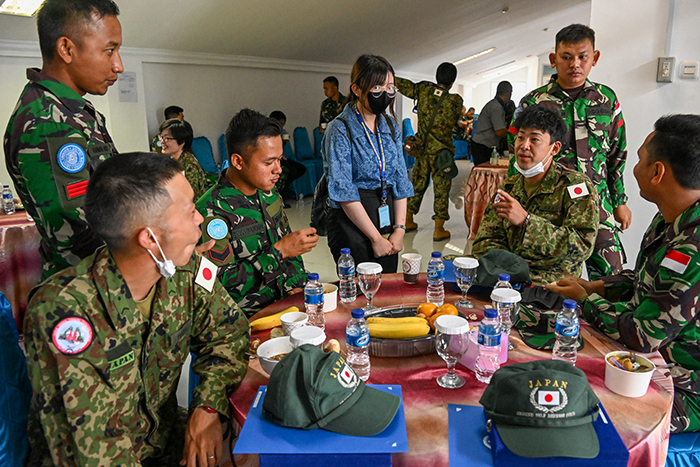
(543, 408)
(310, 389)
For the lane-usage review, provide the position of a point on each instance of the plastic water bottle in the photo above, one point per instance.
(436, 280)
(313, 301)
(8, 202)
(503, 282)
(488, 359)
(357, 340)
(567, 333)
(346, 274)
(494, 157)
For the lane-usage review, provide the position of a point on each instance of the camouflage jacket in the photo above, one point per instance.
(655, 307)
(193, 173)
(596, 143)
(561, 232)
(155, 143)
(330, 109)
(245, 229)
(428, 94)
(53, 142)
(104, 378)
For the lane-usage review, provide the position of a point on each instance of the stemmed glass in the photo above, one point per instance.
(451, 343)
(507, 303)
(465, 273)
(369, 278)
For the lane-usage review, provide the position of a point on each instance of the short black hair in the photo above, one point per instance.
(575, 33)
(333, 80)
(127, 192)
(172, 112)
(676, 141)
(446, 74)
(544, 119)
(244, 130)
(59, 18)
(181, 130)
(503, 87)
(278, 115)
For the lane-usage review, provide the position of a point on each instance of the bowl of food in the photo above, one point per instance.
(628, 374)
(272, 351)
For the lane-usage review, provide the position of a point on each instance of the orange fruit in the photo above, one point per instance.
(427, 309)
(447, 309)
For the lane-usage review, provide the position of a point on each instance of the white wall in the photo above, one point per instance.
(630, 44)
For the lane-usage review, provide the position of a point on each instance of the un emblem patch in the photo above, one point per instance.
(71, 158)
(217, 229)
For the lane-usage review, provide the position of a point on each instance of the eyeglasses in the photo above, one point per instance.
(377, 90)
(166, 138)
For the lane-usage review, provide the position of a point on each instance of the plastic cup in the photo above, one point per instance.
(330, 297)
(293, 320)
(410, 262)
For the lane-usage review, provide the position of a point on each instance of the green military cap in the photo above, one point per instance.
(536, 327)
(496, 262)
(446, 164)
(543, 408)
(310, 389)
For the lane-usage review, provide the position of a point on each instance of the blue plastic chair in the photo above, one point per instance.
(683, 450)
(201, 147)
(223, 152)
(303, 185)
(407, 130)
(461, 149)
(317, 141)
(305, 155)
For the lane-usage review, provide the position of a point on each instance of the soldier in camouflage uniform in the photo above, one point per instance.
(176, 139)
(437, 138)
(56, 138)
(172, 111)
(258, 255)
(596, 142)
(107, 339)
(549, 218)
(655, 307)
(333, 105)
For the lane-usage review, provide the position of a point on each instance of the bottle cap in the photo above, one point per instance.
(307, 335)
(466, 263)
(490, 313)
(313, 276)
(504, 277)
(358, 313)
(448, 324)
(345, 251)
(568, 303)
(369, 268)
(504, 295)
(436, 254)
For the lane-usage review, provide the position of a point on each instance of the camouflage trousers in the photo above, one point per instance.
(422, 171)
(608, 255)
(686, 412)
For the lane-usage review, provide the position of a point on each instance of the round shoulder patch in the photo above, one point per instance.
(217, 229)
(71, 158)
(72, 335)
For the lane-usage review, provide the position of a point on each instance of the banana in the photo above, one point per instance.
(269, 322)
(398, 330)
(404, 320)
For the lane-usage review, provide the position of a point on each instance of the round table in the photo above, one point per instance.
(643, 423)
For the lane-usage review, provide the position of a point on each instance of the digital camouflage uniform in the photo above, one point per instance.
(113, 402)
(561, 231)
(655, 307)
(596, 145)
(330, 109)
(155, 144)
(193, 173)
(245, 229)
(428, 94)
(54, 141)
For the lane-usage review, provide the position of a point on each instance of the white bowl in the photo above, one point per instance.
(627, 383)
(270, 348)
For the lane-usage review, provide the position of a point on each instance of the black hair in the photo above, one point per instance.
(127, 192)
(244, 130)
(180, 130)
(333, 80)
(575, 33)
(278, 115)
(544, 119)
(676, 141)
(446, 74)
(172, 112)
(503, 87)
(59, 18)
(367, 72)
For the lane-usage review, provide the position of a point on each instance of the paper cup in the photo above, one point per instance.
(628, 383)
(330, 297)
(293, 320)
(410, 262)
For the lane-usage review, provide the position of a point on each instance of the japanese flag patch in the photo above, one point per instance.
(206, 274)
(548, 397)
(578, 190)
(676, 261)
(438, 92)
(72, 335)
(348, 378)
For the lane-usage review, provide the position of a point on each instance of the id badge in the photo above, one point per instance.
(383, 216)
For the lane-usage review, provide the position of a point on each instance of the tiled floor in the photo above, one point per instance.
(420, 241)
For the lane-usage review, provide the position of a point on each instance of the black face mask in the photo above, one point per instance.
(378, 104)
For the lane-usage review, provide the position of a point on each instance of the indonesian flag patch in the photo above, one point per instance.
(548, 397)
(676, 261)
(578, 190)
(72, 335)
(206, 274)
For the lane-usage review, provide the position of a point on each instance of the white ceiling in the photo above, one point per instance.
(415, 36)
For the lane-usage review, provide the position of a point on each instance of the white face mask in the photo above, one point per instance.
(534, 170)
(165, 267)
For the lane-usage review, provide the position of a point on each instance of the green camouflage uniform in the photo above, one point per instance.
(245, 229)
(193, 173)
(114, 402)
(655, 307)
(54, 140)
(596, 146)
(330, 109)
(561, 231)
(155, 144)
(428, 94)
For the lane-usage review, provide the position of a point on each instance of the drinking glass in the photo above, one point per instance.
(465, 273)
(507, 303)
(451, 343)
(369, 278)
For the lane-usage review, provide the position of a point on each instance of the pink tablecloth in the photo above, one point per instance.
(642, 423)
(484, 180)
(20, 263)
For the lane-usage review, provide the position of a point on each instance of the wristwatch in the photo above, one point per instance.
(400, 226)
